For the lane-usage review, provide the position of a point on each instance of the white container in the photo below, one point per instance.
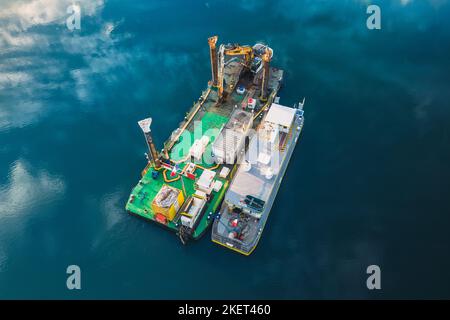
(205, 182)
(232, 137)
(224, 172)
(217, 186)
(198, 148)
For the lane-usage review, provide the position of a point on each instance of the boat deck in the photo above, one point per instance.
(239, 226)
(147, 188)
(206, 118)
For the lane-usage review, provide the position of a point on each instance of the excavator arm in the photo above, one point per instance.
(218, 62)
(246, 51)
(235, 50)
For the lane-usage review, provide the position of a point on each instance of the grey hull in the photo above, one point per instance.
(257, 225)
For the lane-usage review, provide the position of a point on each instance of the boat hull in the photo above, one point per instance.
(247, 248)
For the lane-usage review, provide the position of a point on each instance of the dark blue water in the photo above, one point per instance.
(369, 182)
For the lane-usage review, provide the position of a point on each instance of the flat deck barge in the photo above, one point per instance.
(183, 185)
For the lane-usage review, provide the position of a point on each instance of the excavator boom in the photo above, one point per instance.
(246, 51)
(218, 62)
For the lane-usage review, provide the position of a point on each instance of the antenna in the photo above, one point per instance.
(301, 104)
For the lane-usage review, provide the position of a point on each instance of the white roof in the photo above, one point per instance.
(264, 158)
(280, 115)
(206, 178)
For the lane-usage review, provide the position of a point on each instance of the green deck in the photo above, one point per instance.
(209, 125)
(207, 117)
(148, 187)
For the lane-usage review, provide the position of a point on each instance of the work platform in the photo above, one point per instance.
(185, 171)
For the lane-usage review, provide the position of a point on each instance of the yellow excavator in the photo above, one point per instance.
(218, 62)
(237, 50)
(232, 50)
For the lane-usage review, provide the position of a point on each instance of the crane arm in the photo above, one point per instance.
(221, 68)
(246, 51)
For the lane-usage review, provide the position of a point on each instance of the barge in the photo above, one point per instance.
(184, 184)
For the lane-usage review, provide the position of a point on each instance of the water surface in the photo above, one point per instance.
(368, 182)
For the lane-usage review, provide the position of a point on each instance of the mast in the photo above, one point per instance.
(145, 126)
(213, 55)
(266, 57)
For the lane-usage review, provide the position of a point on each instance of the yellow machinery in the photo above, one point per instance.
(235, 50)
(167, 202)
(213, 55)
(221, 71)
(238, 50)
(218, 63)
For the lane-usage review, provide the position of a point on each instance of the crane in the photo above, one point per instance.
(266, 57)
(237, 50)
(232, 50)
(213, 55)
(218, 62)
(221, 71)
